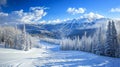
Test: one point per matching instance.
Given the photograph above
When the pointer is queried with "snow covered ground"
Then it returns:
(49, 55)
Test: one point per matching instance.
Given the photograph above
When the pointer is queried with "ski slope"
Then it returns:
(50, 55)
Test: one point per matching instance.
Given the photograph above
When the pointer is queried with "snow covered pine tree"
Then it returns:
(111, 47)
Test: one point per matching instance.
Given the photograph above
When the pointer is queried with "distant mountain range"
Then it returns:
(70, 28)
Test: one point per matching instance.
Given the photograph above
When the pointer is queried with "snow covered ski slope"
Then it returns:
(50, 55)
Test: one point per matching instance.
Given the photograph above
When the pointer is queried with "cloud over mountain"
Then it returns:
(91, 16)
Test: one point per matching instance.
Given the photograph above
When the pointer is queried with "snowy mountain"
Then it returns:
(68, 28)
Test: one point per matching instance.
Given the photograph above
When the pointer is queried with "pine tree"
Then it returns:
(23, 40)
(114, 40)
(99, 47)
(94, 43)
(84, 42)
(108, 49)
(16, 37)
(111, 47)
(30, 42)
(78, 43)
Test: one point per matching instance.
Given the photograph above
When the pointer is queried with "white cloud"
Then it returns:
(43, 22)
(74, 11)
(91, 16)
(34, 8)
(33, 16)
(57, 21)
(3, 17)
(3, 14)
(115, 10)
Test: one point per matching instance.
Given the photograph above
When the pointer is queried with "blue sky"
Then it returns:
(58, 9)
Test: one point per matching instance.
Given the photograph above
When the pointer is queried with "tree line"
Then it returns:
(101, 43)
(12, 37)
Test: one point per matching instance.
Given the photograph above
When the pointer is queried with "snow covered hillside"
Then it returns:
(49, 55)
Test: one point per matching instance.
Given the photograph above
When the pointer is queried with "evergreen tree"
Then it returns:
(114, 40)
(16, 38)
(111, 47)
(84, 42)
(23, 40)
(108, 46)
(94, 42)
(99, 47)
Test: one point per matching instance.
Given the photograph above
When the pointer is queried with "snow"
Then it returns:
(50, 55)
